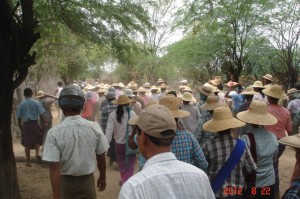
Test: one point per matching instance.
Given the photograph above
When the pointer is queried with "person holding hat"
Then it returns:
(184, 145)
(294, 101)
(106, 108)
(263, 146)
(218, 150)
(28, 114)
(282, 128)
(46, 101)
(211, 104)
(258, 87)
(163, 176)
(235, 96)
(190, 122)
(117, 127)
(267, 80)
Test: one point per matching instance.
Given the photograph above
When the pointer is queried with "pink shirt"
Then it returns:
(283, 125)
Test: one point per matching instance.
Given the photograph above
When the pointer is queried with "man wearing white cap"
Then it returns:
(163, 176)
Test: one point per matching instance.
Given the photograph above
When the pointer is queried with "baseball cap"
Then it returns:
(155, 119)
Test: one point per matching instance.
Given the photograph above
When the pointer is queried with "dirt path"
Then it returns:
(35, 182)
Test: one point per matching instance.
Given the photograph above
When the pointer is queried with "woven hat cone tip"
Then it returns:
(257, 114)
(249, 91)
(187, 97)
(40, 94)
(274, 91)
(257, 84)
(293, 140)
(171, 102)
(212, 103)
(123, 99)
(222, 120)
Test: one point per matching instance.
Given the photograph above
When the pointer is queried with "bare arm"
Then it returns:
(101, 164)
(55, 179)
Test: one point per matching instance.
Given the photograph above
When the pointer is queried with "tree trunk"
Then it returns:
(9, 187)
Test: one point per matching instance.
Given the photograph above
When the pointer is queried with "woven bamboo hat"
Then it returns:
(215, 89)
(274, 91)
(268, 77)
(171, 102)
(187, 96)
(131, 84)
(141, 90)
(257, 114)
(153, 88)
(40, 94)
(187, 89)
(257, 84)
(123, 99)
(222, 120)
(101, 90)
(160, 80)
(249, 91)
(292, 91)
(293, 140)
(205, 90)
(212, 103)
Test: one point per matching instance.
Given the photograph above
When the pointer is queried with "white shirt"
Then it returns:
(116, 128)
(163, 176)
(74, 143)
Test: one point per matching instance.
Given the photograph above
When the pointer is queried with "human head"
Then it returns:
(59, 84)
(274, 93)
(28, 92)
(267, 79)
(71, 99)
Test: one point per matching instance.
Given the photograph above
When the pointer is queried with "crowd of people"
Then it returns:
(190, 143)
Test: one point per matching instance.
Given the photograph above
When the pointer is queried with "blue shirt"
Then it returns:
(187, 149)
(29, 110)
(266, 153)
(294, 191)
(237, 100)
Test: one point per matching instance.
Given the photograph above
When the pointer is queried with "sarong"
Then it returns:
(32, 134)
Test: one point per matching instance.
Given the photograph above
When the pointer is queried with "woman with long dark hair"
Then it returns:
(118, 125)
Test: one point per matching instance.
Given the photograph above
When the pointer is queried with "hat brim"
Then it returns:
(133, 120)
(259, 119)
(216, 126)
(211, 107)
(249, 93)
(267, 78)
(253, 86)
(298, 91)
(40, 96)
(180, 113)
(186, 99)
(121, 103)
(268, 93)
(293, 141)
(200, 89)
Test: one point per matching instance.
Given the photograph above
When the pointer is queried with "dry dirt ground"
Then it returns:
(35, 183)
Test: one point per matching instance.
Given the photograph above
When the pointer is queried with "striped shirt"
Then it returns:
(217, 151)
(29, 110)
(187, 149)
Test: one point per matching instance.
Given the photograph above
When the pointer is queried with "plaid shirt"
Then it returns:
(187, 149)
(294, 191)
(106, 110)
(217, 151)
(201, 135)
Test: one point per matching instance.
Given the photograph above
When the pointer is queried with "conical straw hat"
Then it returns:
(257, 114)
(293, 140)
(171, 102)
(142, 90)
(187, 97)
(222, 120)
(274, 91)
(292, 90)
(123, 99)
(40, 94)
(205, 90)
(257, 84)
(212, 103)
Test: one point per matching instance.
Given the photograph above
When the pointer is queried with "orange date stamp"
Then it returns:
(231, 191)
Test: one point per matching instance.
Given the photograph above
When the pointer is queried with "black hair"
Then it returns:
(260, 91)
(59, 83)
(273, 100)
(160, 141)
(220, 86)
(120, 113)
(248, 97)
(28, 92)
(172, 93)
(185, 102)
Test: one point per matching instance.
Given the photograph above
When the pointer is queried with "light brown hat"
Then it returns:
(293, 140)
(123, 99)
(101, 85)
(40, 94)
(257, 114)
(115, 85)
(292, 90)
(153, 88)
(155, 119)
(132, 84)
(101, 90)
(212, 103)
(147, 85)
(88, 87)
(249, 91)
(257, 84)
(187, 89)
(268, 77)
(215, 89)
(160, 80)
(141, 90)
(205, 90)
(121, 85)
(171, 102)
(222, 120)
(163, 85)
(274, 91)
(187, 96)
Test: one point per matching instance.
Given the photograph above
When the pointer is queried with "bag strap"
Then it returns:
(229, 165)
(251, 178)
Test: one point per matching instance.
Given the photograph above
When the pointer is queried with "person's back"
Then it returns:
(164, 176)
(190, 122)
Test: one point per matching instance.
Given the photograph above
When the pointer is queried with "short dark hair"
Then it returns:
(162, 142)
(172, 93)
(272, 100)
(28, 92)
(185, 102)
(59, 83)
